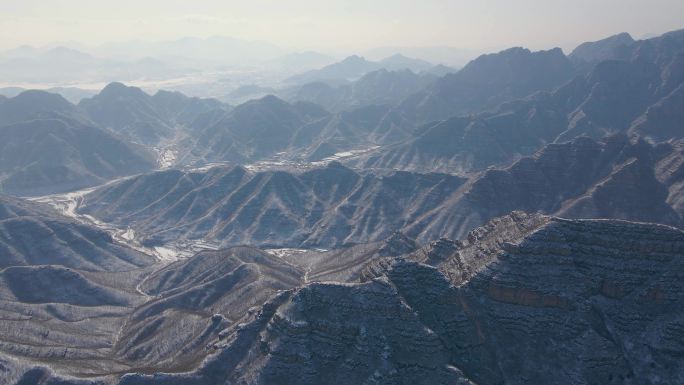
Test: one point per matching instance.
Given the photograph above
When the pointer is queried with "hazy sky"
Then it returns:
(338, 25)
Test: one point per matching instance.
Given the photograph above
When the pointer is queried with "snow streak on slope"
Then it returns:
(67, 204)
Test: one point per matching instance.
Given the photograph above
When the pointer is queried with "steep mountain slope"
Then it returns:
(663, 120)
(489, 81)
(142, 118)
(195, 299)
(463, 144)
(352, 67)
(184, 110)
(48, 156)
(65, 288)
(333, 206)
(253, 130)
(357, 128)
(34, 234)
(330, 206)
(612, 47)
(639, 95)
(377, 87)
(345, 264)
(590, 301)
(399, 62)
(48, 146)
(64, 318)
(57, 284)
(33, 104)
(270, 128)
(128, 111)
(611, 178)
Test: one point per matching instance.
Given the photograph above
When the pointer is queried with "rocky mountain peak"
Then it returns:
(116, 90)
(609, 48)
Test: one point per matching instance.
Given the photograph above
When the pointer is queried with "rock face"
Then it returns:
(194, 300)
(327, 333)
(618, 320)
(345, 264)
(524, 299)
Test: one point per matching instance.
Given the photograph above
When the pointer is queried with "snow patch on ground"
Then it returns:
(285, 252)
(167, 158)
(345, 155)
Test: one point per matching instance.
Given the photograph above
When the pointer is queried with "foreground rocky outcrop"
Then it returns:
(524, 299)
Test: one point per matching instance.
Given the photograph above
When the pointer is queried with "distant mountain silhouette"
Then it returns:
(399, 62)
(611, 178)
(377, 87)
(613, 47)
(354, 67)
(63, 65)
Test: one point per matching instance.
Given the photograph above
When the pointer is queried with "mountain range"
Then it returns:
(61, 65)
(369, 222)
(142, 118)
(336, 206)
(47, 145)
(381, 87)
(451, 312)
(616, 95)
(354, 67)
